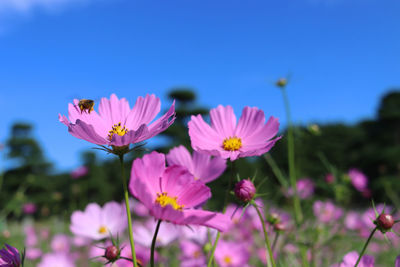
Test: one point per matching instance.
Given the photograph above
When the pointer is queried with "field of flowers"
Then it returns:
(166, 218)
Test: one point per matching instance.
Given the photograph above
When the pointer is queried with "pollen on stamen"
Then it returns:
(117, 129)
(163, 199)
(227, 259)
(232, 143)
(102, 229)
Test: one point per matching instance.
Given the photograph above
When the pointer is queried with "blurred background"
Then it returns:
(341, 60)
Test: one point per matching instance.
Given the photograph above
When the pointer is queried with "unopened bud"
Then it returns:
(279, 227)
(245, 190)
(273, 218)
(384, 222)
(282, 82)
(112, 253)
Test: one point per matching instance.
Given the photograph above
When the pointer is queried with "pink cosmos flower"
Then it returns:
(350, 259)
(358, 179)
(143, 233)
(192, 255)
(305, 188)
(117, 124)
(29, 208)
(79, 172)
(33, 253)
(60, 243)
(9, 257)
(31, 237)
(201, 166)
(172, 194)
(227, 138)
(231, 254)
(326, 212)
(98, 223)
(57, 259)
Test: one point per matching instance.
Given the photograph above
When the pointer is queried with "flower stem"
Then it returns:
(128, 210)
(210, 261)
(153, 243)
(292, 168)
(267, 244)
(365, 246)
(275, 241)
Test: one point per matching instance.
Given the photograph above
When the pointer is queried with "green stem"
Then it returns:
(128, 210)
(153, 243)
(292, 168)
(275, 241)
(275, 169)
(210, 261)
(365, 246)
(270, 260)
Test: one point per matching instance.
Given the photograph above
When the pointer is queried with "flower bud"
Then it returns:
(112, 253)
(384, 222)
(279, 227)
(282, 82)
(245, 190)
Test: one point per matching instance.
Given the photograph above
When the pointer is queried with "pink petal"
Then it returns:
(114, 110)
(223, 120)
(206, 168)
(180, 156)
(86, 132)
(175, 179)
(250, 121)
(203, 137)
(193, 194)
(143, 112)
(214, 220)
(162, 123)
(147, 171)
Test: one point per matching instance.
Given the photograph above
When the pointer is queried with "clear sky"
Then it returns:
(342, 55)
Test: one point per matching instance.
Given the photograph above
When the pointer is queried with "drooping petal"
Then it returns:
(223, 120)
(206, 168)
(180, 156)
(131, 137)
(214, 220)
(86, 132)
(143, 112)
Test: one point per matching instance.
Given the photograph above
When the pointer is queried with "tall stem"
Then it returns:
(210, 261)
(128, 210)
(275, 241)
(153, 243)
(267, 244)
(292, 168)
(365, 246)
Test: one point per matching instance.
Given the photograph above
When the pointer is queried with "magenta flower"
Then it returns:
(9, 257)
(226, 138)
(98, 223)
(33, 253)
(79, 172)
(144, 233)
(327, 212)
(201, 166)
(358, 179)
(172, 194)
(117, 124)
(192, 255)
(350, 259)
(305, 188)
(29, 208)
(57, 259)
(231, 254)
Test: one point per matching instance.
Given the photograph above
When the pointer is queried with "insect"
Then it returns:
(86, 105)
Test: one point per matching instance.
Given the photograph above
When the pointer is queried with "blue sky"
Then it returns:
(342, 55)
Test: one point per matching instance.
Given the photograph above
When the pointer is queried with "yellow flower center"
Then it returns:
(102, 229)
(117, 129)
(232, 144)
(227, 260)
(163, 199)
